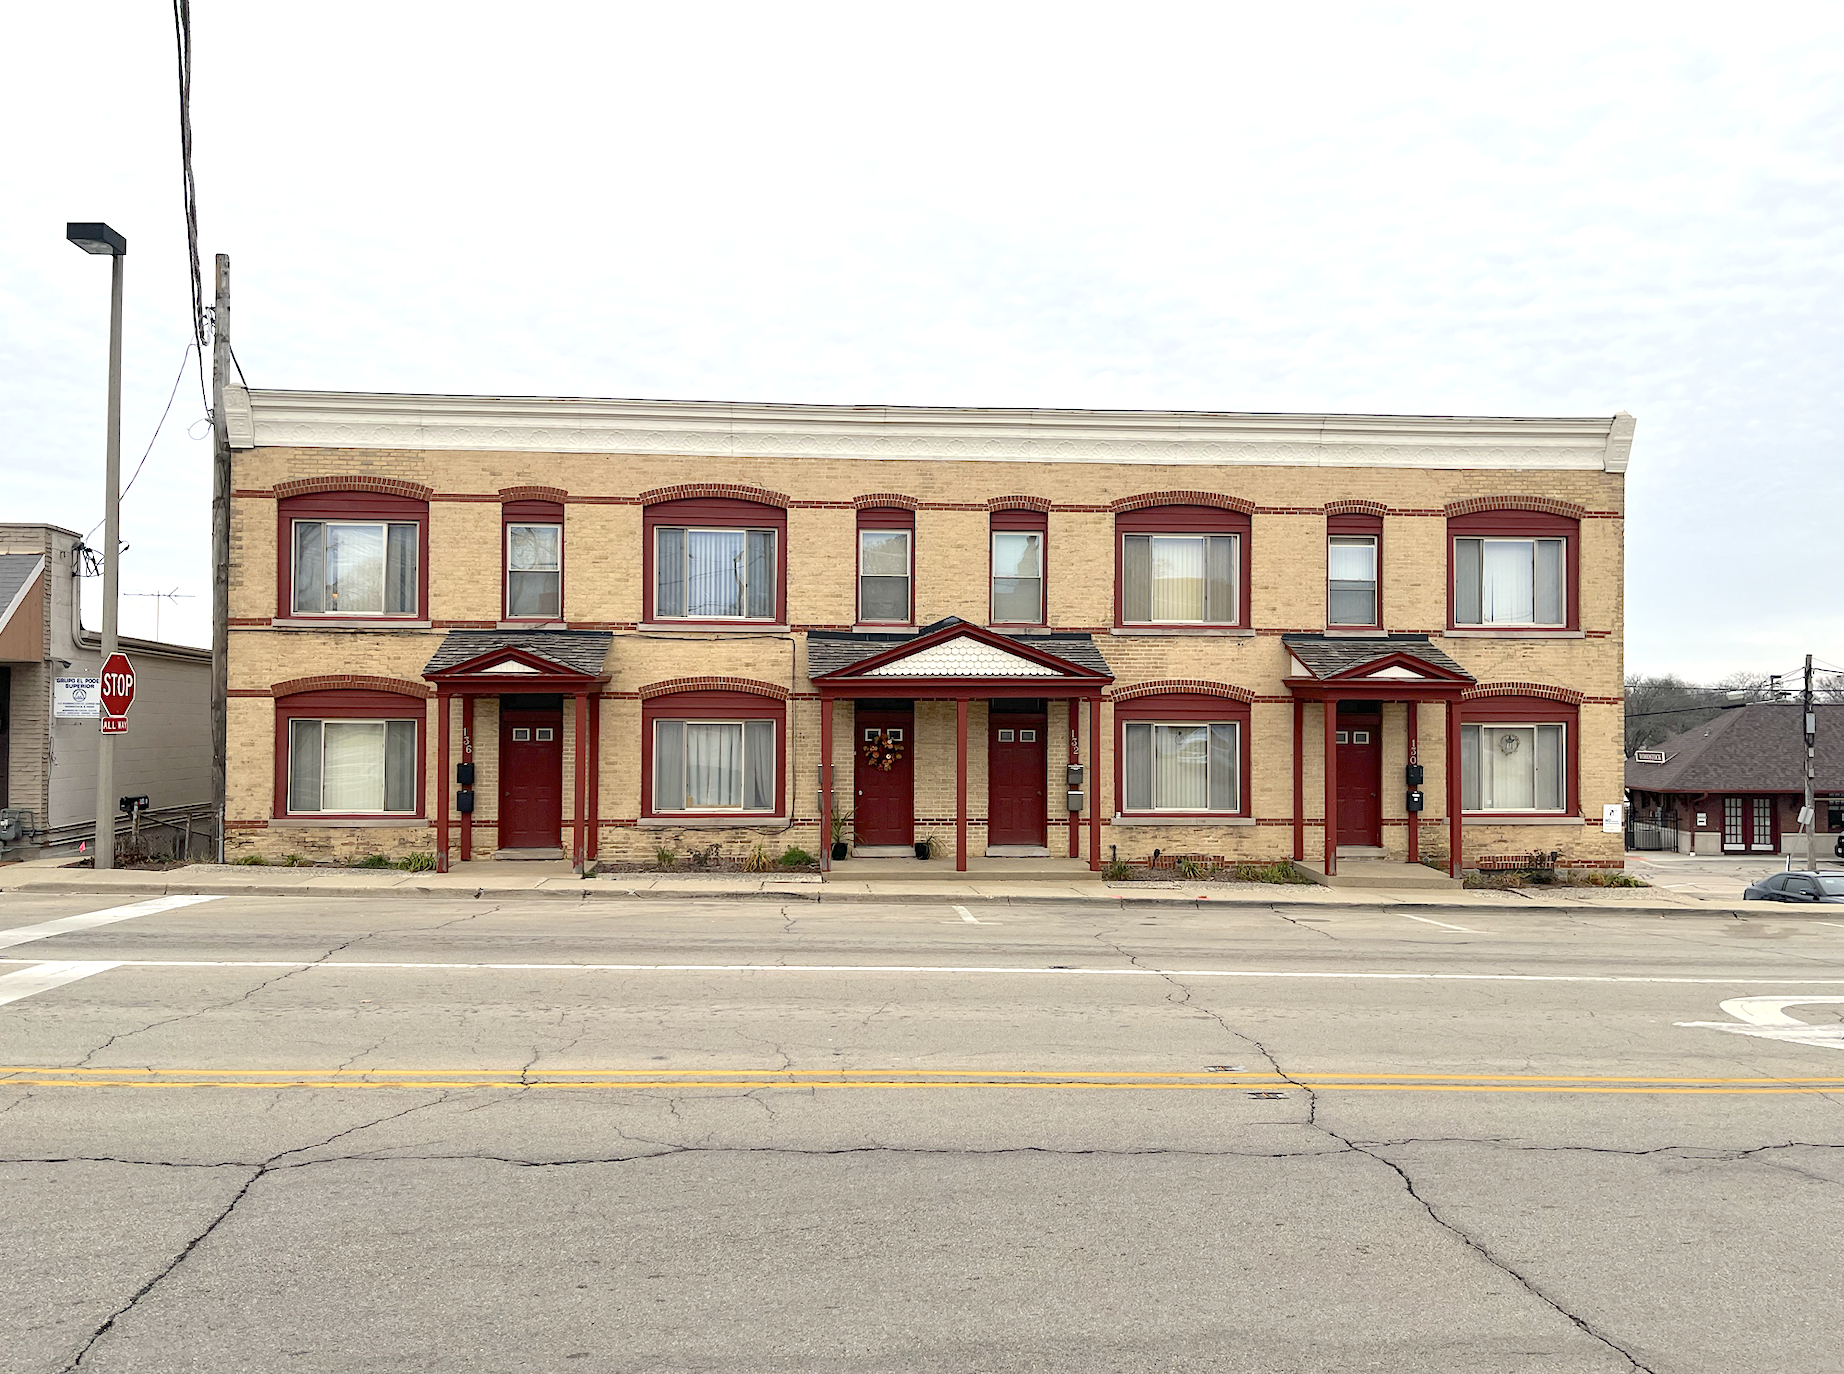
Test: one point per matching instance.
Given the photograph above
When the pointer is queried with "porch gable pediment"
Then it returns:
(959, 651)
(962, 656)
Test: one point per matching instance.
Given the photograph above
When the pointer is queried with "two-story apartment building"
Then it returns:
(499, 626)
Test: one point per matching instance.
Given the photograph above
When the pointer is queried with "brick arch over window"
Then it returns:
(718, 491)
(556, 494)
(748, 686)
(1547, 505)
(1183, 498)
(1182, 686)
(1522, 689)
(335, 682)
(380, 486)
(1037, 503)
(884, 500)
(1356, 507)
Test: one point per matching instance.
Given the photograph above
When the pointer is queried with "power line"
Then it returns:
(179, 377)
(201, 326)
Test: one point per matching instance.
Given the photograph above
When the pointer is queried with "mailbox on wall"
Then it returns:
(1415, 800)
(1075, 801)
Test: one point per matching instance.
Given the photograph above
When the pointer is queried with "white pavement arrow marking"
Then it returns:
(44, 977)
(65, 924)
(1767, 1018)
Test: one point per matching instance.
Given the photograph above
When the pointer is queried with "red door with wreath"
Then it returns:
(884, 807)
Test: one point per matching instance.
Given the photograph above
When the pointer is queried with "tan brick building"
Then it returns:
(609, 627)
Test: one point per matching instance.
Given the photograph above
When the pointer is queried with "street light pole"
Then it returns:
(101, 239)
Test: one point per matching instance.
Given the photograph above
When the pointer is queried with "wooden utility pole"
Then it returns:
(1809, 817)
(220, 546)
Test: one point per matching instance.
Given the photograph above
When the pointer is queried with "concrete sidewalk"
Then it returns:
(555, 881)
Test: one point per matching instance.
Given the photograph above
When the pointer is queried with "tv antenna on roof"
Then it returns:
(158, 597)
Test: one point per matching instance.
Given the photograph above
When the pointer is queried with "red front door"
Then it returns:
(884, 807)
(1016, 756)
(1360, 780)
(530, 778)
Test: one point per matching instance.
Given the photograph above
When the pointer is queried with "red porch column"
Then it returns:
(1331, 787)
(1414, 757)
(1094, 795)
(1074, 705)
(1453, 788)
(580, 792)
(467, 756)
(825, 783)
(595, 774)
(960, 784)
(1299, 778)
(441, 782)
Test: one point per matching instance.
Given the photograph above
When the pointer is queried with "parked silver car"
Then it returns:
(1797, 887)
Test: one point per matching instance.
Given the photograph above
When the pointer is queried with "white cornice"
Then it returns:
(721, 429)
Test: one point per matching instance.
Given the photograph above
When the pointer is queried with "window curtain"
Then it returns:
(759, 765)
(1017, 578)
(883, 574)
(1181, 765)
(668, 765)
(1509, 755)
(714, 577)
(310, 568)
(669, 571)
(1351, 570)
(304, 765)
(355, 568)
(761, 575)
(1506, 582)
(352, 767)
(1177, 578)
(713, 765)
(400, 571)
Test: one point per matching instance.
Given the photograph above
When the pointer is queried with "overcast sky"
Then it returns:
(1418, 209)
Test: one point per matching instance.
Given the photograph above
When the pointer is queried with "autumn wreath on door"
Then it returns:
(881, 751)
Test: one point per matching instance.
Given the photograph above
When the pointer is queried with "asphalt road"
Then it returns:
(396, 1135)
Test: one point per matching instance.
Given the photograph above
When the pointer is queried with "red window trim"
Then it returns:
(350, 705)
(882, 518)
(713, 706)
(1182, 520)
(1521, 524)
(1176, 707)
(1533, 711)
(1030, 522)
(529, 513)
(718, 513)
(348, 505)
(1369, 526)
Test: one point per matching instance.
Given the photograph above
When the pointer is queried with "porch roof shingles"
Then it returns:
(828, 651)
(1326, 656)
(575, 651)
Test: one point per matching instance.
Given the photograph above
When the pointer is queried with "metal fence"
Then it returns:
(1652, 828)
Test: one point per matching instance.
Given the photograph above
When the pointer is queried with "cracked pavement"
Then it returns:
(820, 1149)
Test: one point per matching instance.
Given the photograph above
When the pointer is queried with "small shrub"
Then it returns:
(1118, 871)
(372, 861)
(758, 860)
(794, 857)
(251, 861)
(419, 863)
(1269, 873)
(293, 861)
(1195, 870)
(665, 857)
(704, 858)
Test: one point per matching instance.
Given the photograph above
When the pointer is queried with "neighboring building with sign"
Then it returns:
(50, 693)
(644, 624)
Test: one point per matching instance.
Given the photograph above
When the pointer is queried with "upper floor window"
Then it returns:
(1514, 570)
(352, 554)
(886, 566)
(715, 560)
(1183, 565)
(1018, 539)
(534, 560)
(1352, 590)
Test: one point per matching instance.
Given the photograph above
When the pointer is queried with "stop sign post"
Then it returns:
(117, 693)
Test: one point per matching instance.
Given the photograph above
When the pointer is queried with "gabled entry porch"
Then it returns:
(1019, 685)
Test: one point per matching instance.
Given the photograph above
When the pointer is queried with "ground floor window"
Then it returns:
(1183, 766)
(713, 765)
(1513, 767)
(352, 767)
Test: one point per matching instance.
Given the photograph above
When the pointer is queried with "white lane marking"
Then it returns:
(1767, 1018)
(1429, 920)
(961, 968)
(90, 919)
(43, 977)
(967, 916)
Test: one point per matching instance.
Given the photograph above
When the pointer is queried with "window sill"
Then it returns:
(532, 625)
(711, 627)
(1472, 633)
(1194, 821)
(1215, 631)
(350, 623)
(889, 628)
(349, 823)
(1517, 818)
(1355, 632)
(706, 822)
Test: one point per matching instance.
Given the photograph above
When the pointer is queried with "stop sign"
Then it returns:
(117, 684)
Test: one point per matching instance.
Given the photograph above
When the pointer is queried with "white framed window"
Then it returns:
(884, 570)
(1510, 582)
(1018, 577)
(355, 567)
(1351, 579)
(713, 574)
(713, 765)
(1188, 766)
(1514, 767)
(1180, 579)
(534, 572)
(352, 767)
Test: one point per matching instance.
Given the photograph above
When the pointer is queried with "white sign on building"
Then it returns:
(77, 698)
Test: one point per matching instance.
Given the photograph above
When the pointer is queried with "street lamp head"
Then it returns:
(97, 238)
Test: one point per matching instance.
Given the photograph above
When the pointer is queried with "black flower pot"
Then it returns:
(840, 851)
(921, 849)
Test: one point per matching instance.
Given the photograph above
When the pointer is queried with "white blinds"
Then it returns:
(1188, 767)
(1179, 578)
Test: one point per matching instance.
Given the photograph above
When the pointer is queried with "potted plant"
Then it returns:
(923, 847)
(840, 849)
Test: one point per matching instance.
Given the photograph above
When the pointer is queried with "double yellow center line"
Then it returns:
(701, 1078)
